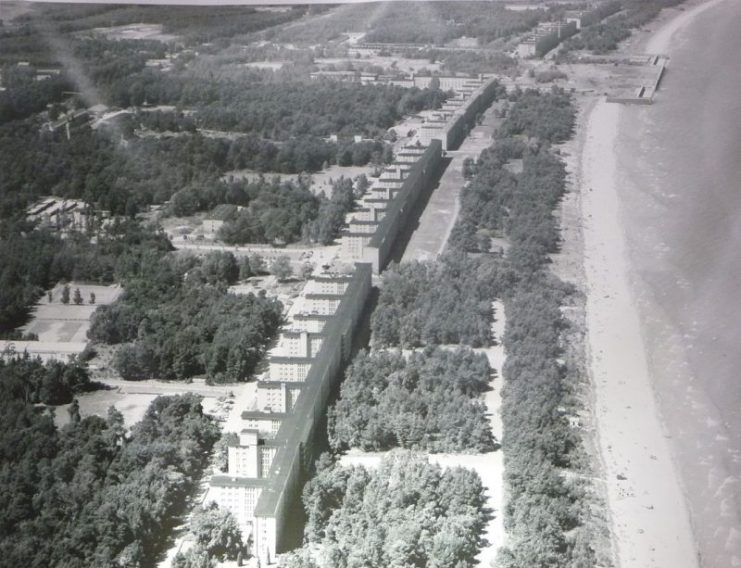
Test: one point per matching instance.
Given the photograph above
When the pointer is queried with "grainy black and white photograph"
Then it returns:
(383, 284)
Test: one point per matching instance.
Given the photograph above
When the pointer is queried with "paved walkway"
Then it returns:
(437, 220)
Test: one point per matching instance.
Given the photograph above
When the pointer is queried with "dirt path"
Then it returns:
(437, 220)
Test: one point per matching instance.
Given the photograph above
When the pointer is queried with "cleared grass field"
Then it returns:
(58, 322)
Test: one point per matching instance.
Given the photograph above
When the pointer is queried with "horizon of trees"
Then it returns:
(435, 303)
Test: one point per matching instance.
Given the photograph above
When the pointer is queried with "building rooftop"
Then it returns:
(301, 421)
(278, 384)
(289, 359)
(312, 316)
(323, 296)
(234, 481)
(259, 414)
(299, 333)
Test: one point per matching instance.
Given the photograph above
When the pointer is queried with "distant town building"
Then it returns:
(546, 36)
(63, 215)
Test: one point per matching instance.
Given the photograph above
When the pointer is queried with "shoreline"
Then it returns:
(649, 518)
(649, 514)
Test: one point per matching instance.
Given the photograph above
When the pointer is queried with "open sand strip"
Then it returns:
(650, 520)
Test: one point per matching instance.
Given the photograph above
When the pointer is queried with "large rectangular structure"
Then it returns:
(463, 119)
(380, 247)
(297, 433)
(271, 457)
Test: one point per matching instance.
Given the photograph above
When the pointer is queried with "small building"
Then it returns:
(61, 214)
(574, 17)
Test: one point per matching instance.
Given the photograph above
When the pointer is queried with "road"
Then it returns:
(437, 220)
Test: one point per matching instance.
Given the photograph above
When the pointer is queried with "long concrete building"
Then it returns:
(392, 203)
(270, 458)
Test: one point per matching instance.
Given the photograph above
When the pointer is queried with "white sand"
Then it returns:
(650, 520)
(651, 525)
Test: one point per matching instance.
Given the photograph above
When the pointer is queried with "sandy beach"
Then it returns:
(649, 515)
(650, 522)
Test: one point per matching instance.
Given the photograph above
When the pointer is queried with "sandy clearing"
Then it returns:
(436, 222)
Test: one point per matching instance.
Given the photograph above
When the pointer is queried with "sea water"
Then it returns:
(680, 192)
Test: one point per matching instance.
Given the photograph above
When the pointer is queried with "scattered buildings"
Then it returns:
(62, 215)
(549, 34)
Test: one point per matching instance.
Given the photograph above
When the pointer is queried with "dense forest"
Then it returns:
(412, 513)
(435, 302)
(605, 36)
(126, 164)
(423, 23)
(548, 517)
(176, 320)
(269, 211)
(143, 157)
(32, 261)
(330, 219)
(548, 116)
(126, 177)
(23, 95)
(91, 493)
(217, 537)
(427, 401)
(278, 110)
(32, 382)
